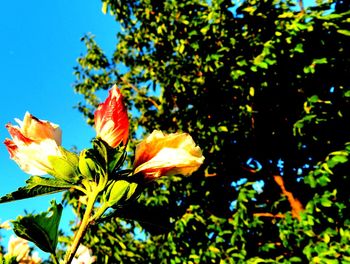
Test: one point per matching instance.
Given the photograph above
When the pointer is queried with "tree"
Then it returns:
(262, 86)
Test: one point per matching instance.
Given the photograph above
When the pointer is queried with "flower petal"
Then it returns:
(111, 119)
(171, 161)
(33, 141)
(37, 129)
(34, 158)
(161, 155)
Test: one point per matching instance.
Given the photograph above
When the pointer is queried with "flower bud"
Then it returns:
(111, 119)
(87, 166)
(120, 190)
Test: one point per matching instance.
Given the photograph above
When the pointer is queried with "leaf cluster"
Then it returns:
(262, 86)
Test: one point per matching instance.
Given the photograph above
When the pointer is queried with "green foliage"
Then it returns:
(42, 229)
(36, 186)
(265, 81)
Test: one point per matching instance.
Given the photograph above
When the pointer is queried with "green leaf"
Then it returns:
(104, 7)
(320, 61)
(344, 32)
(326, 202)
(295, 259)
(336, 159)
(35, 181)
(299, 48)
(222, 129)
(41, 229)
(36, 186)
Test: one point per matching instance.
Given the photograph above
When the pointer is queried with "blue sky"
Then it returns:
(39, 45)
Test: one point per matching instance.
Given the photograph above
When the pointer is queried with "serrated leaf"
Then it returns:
(35, 181)
(36, 186)
(41, 229)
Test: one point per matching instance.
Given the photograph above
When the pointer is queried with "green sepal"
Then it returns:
(65, 167)
(116, 158)
(87, 164)
(119, 191)
(71, 157)
(111, 158)
(36, 186)
(101, 149)
(41, 229)
(132, 190)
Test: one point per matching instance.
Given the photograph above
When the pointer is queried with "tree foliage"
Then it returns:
(263, 88)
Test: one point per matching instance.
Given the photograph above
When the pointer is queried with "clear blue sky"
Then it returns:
(39, 45)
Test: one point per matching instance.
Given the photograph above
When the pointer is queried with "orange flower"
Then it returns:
(161, 155)
(33, 141)
(111, 119)
(19, 248)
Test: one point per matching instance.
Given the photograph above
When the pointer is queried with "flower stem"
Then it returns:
(82, 228)
(54, 259)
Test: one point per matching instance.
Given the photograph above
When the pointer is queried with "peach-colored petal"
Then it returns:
(162, 155)
(35, 259)
(18, 247)
(5, 225)
(170, 161)
(33, 141)
(37, 130)
(34, 158)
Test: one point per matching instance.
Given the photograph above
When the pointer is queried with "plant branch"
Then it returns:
(82, 228)
(138, 91)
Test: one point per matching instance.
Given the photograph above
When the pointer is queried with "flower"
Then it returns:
(162, 155)
(19, 248)
(34, 259)
(83, 256)
(5, 225)
(111, 119)
(33, 141)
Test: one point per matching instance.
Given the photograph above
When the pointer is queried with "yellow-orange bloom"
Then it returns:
(33, 141)
(5, 225)
(162, 155)
(111, 119)
(19, 248)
